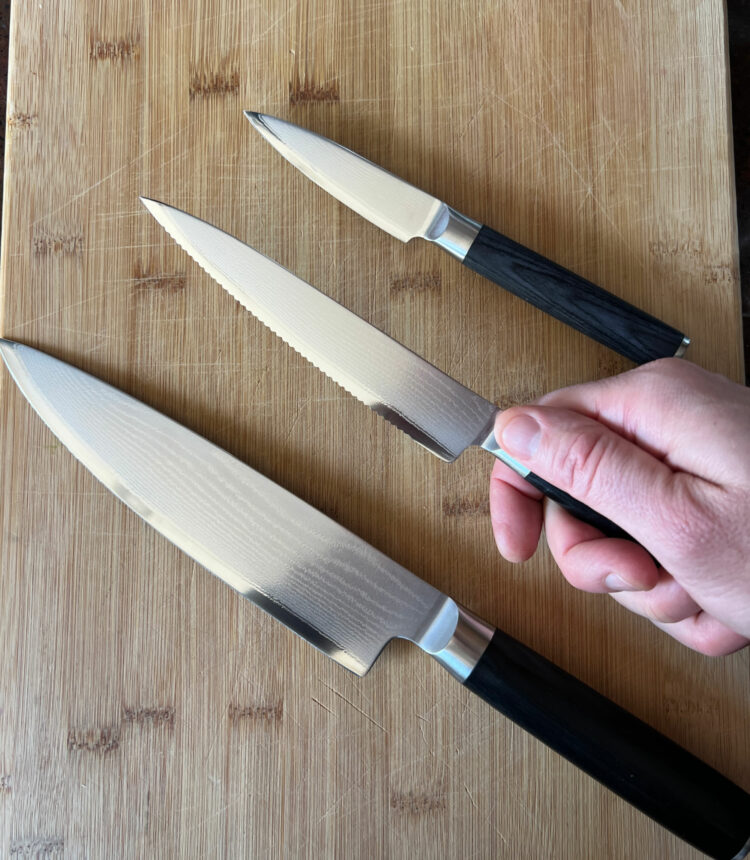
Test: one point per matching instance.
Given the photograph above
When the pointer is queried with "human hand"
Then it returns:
(663, 451)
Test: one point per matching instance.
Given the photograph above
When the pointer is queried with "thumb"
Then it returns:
(590, 462)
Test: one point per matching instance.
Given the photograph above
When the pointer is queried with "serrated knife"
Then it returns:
(350, 600)
(407, 212)
(433, 408)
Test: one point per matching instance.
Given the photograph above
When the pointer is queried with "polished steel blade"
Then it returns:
(387, 201)
(434, 409)
(328, 585)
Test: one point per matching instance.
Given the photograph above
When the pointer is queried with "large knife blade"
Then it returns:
(429, 405)
(406, 212)
(349, 600)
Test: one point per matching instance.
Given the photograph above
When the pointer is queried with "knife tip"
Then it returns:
(260, 122)
(152, 205)
(7, 346)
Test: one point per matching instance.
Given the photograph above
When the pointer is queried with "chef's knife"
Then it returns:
(407, 212)
(430, 406)
(350, 600)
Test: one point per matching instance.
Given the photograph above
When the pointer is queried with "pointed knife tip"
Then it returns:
(254, 116)
(6, 347)
(154, 206)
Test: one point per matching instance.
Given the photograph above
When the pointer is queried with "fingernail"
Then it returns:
(521, 437)
(614, 582)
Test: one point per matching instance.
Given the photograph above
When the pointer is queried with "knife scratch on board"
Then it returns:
(336, 803)
(473, 802)
(183, 132)
(301, 407)
(318, 702)
(272, 26)
(349, 702)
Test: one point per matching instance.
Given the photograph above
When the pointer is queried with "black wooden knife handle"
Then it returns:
(644, 767)
(572, 299)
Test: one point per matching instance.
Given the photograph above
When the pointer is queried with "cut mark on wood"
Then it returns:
(471, 798)
(263, 712)
(46, 244)
(103, 740)
(421, 281)
(305, 90)
(43, 846)
(114, 50)
(5, 787)
(417, 804)
(358, 709)
(149, 716)
(205, 84)
(163, 282)
(20, 121)
(318, 702)
(465, 506)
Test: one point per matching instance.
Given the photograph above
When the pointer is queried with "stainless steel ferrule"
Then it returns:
(465, 648)
(454, 232)
(682, 347)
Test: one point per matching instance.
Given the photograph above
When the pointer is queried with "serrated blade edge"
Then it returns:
(437, 411)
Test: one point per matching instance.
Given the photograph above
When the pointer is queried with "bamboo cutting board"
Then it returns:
(145, 709)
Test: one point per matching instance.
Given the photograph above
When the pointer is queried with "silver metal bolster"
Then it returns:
(454, 232)
(743, 852)
(682, 347)
(465, 648)
(490, 444)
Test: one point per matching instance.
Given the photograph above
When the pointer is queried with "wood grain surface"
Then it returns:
(145, 709)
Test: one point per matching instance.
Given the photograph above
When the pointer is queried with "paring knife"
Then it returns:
(407, 212)
(350, 600)
(430, 406)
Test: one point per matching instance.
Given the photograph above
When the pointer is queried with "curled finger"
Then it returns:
(516, 514)
(595, 563)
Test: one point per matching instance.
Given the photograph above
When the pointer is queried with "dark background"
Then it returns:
(738, 14)
(739, 66)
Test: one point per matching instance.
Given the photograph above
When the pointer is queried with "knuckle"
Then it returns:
(581, 463)
(692, 523)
